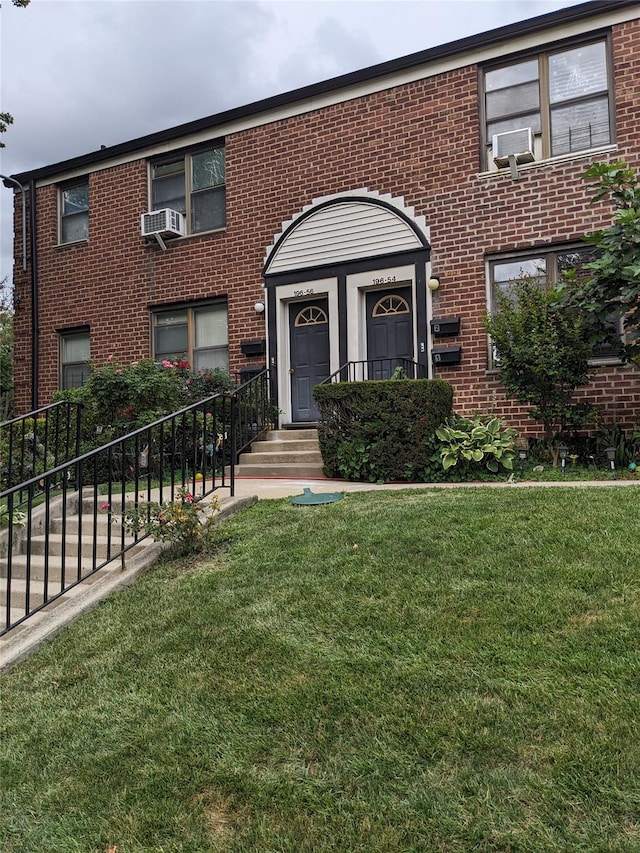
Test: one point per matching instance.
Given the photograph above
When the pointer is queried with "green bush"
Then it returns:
(381, 430)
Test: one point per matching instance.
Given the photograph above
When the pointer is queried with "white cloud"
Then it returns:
(77, 75)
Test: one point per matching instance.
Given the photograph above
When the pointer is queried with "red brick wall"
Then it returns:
(419, 141)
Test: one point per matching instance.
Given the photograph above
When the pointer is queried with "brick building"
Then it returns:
(309, 229)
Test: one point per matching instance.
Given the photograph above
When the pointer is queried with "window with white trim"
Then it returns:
(548, 267)
(564, 96)
(75, 352)
(74, 212)
(192, 184)
(197, 334)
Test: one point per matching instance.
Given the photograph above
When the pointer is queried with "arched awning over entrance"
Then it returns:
(345, 228)
(356, 264)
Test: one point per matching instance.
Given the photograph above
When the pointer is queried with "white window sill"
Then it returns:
(606, 361)
(550, 161)
(83, 242)
(199, 234)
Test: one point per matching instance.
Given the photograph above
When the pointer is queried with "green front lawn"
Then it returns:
(433, 670)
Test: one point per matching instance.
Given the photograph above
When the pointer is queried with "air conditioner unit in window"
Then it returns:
(518, 143)
(166, 223)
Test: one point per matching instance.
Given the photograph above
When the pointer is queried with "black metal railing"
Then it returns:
(38, 441)
(377, 368)
(254, 412)
(70, 525)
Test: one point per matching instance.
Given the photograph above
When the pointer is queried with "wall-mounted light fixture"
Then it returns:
(259, 307)
(433, 283)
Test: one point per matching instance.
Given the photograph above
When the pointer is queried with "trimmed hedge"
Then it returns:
(381, 430)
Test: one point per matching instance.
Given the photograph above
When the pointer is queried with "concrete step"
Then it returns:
(283, 453)
(36, 594)
(54, 544)
(36, 565)
(295, 470)
(292, 435)
(73, 525)
(279, 446)
(310, 457)
(19, 594)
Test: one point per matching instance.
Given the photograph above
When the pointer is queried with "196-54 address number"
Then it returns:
(388, 280)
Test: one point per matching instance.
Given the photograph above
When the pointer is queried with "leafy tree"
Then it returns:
(6, 118)
(543, 355)
(613, 279)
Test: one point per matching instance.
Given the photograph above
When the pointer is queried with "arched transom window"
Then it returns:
(312, 315)
(391, 304)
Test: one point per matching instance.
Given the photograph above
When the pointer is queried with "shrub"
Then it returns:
(118, 399)
(184, 522)
(380, 430)
(543, 354)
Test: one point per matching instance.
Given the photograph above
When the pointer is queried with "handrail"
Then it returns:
(46, 557)
(37, 412)
(253, 414)
(43, 438)
(70, 512)
(375, 369)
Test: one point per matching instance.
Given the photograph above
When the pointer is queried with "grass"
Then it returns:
(437, 670)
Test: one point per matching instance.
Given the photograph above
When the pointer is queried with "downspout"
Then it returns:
(35, 317)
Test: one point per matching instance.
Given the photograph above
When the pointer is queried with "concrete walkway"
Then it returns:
(42, 626)
(275, 487)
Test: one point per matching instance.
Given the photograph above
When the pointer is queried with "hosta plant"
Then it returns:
(478, 440)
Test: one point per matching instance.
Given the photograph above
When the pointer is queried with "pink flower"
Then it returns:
(189, 498)
(105, 506)
(166, 363)
(110, 357)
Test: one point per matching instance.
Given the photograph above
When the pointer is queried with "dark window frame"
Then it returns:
(602, 353)
(67, 218)
(67, 368)
(543, 137)
(191, 351)
(184, 202)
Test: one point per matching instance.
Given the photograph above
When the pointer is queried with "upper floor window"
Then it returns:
(74, 358)
(74, 212)
(548, 268)
(564, 96)
(194, 185)
(197, 334)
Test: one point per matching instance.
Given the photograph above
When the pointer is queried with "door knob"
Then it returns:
(292, 370)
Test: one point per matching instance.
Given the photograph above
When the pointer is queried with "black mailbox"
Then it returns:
(247, 373)
(253, 348)
(444, 326)
(445, 356)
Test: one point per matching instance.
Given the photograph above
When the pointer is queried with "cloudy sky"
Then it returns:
(78, 74)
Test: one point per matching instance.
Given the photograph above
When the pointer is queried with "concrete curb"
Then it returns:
(43, 626)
